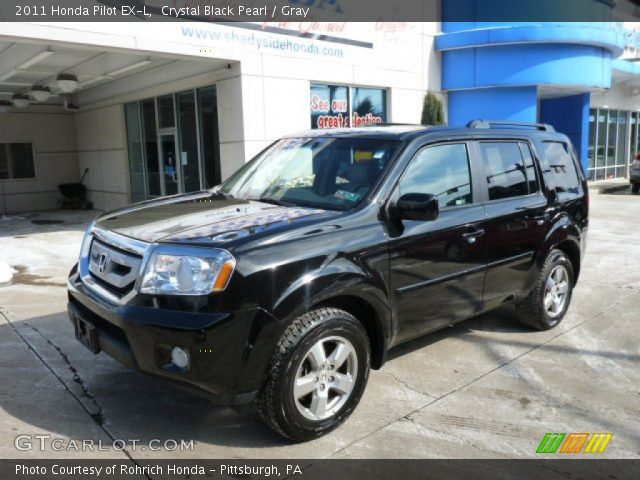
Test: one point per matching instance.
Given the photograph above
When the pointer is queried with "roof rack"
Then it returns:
(493, 123)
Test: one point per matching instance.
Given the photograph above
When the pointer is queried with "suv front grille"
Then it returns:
(113, 268)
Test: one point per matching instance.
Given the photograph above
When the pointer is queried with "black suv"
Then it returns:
(285, 284)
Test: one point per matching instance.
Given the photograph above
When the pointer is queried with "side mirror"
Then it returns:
(417, 206)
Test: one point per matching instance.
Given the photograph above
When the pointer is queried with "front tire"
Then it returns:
(635, 188)
(546, 305)
(317, 375)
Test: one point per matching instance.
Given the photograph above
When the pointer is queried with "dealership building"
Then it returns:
(158, 108)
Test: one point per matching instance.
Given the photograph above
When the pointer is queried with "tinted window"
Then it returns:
(532, 174)
(441, 170)
(559, 168)
(329, 106)
(505, 170)
(369, 105)
(165, 111)
(151, 146)
(188, 140)
(16, 161)
(208, 108)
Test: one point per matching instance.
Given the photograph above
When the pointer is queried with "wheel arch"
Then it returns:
(571, 249)
(564, 236)
(366, 314)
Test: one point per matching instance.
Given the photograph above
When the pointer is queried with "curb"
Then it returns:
(609, 189)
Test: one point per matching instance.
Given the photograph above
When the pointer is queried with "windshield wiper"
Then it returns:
(273, 201)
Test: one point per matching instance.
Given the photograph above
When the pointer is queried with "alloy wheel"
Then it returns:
(556, 291)
(325, 378)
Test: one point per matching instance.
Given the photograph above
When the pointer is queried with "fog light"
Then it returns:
(180, 357)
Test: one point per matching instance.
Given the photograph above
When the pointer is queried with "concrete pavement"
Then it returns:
(487, 388)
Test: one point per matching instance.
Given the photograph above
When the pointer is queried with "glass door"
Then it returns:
(170, 178)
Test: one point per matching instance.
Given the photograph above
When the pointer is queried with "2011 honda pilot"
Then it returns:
(285, 284)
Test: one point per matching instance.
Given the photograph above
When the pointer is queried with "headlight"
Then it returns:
(86, 241)
(187, 271)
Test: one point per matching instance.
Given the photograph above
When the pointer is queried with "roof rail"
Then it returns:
(495, 123)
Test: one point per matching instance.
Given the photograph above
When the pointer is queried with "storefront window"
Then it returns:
(173, 143)
(136, 160)
(334, 106)
(188, 155)
(165, 112)
(329, 106)
(150, 151)
(208, 108)
(609, 131)
(16, 161)
(612, 138)
(369, 106)
(633, 125)
(601, 145)
(621, 154)
(592, 139)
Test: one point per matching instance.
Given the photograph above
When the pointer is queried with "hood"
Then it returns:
(205, 217)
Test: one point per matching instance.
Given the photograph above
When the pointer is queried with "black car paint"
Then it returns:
(411, 277)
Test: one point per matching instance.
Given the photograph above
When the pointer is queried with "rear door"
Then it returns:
(517, 216)
(437, 267)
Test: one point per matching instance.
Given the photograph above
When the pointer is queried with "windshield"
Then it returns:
(321, 172)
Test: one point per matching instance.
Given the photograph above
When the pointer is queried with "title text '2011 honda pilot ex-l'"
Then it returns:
(285, 284)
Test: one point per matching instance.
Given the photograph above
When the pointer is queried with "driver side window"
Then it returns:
(441, 170)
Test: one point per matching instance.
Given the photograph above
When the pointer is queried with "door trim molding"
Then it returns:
(462, 273)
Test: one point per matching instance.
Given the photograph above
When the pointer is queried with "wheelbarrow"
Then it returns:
(75, 195)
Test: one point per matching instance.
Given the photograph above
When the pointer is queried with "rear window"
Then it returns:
(559, 168)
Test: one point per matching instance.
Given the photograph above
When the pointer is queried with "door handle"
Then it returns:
(473, 235)
(539, 219)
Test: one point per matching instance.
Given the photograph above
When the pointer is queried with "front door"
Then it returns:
(169, 166)
(437, 267)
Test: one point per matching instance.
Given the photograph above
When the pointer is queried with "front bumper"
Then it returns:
(141, 337)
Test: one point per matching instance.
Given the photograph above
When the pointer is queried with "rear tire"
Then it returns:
(317, 375)
(545, 307)
(635, 188)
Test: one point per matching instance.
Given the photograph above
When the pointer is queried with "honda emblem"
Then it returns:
(102, 262)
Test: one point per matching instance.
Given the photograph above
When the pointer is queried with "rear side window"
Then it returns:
(559, 168)
(507, 172)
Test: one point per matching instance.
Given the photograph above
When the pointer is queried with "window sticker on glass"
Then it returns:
(360, 156)
(350, 196)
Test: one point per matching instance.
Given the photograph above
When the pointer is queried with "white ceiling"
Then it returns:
(555, 91)
(23, 65)
(628, 79)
